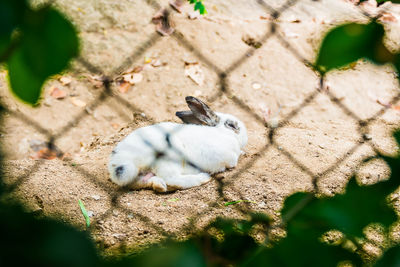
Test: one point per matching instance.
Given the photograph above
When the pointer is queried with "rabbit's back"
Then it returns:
(208, 148)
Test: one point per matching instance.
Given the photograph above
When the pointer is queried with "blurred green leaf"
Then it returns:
(84, 212)
(301, 250)
(237, 243)
(168, 254)
(47, 44)
(350, 42)
(29, 241)
(11, 15)
(391, 257)
(348, 213)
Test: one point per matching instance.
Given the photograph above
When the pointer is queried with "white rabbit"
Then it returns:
(169, 156)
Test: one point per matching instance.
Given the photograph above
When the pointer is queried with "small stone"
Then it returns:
(194, 14)
(256, 86)
(65, 80)
(90, 213)
(262, 204)
(78, 102)
(274, 122)
(156, 63)
(118, 236)
(367, 137)
(133, 78)
(96, 197)
(130, 215)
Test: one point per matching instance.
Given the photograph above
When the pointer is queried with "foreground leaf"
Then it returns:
(348, 213)
(350, 42)
(390, 258)
(11, 15)
(169, 254)
(44, 242)
(301, 250)
(48, 43)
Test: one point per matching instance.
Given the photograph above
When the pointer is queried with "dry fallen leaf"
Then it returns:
(164, 30)
(266, 112)
(388, 105)
(194, 72)
(290, 34)
(133, 78)
(370, 6)
(387, 17)
(267, 17)
(156, 63)
(96, 80)
(44, 151)
(124, 87)
(177, 5)
(78, 102)
(57, 93)
(137, 69)
(65, 80)
(354, 1)
(158, 16)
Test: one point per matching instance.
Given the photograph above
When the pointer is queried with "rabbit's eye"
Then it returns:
(233, 125)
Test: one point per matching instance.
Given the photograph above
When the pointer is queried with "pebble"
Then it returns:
(96, 197)
(262, 205)
(256, 86)
(90, 213)
(367, 136)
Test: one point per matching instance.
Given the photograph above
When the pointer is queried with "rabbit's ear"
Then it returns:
(201, 111)
(188, 117)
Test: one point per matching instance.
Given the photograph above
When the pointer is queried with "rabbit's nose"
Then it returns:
(119, 171)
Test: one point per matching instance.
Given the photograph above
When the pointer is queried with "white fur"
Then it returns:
(209, 149)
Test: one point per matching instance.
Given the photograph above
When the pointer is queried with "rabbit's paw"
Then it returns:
(204, 178)
(232, 161)
(158, 184)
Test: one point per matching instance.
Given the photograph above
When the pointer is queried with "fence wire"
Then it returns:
(224, 75)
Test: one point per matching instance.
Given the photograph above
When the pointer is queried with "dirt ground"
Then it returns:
(322, 138)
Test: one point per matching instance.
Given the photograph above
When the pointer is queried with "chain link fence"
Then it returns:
(108, 78)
